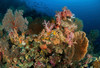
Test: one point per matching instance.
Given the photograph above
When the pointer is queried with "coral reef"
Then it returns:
(58, 45)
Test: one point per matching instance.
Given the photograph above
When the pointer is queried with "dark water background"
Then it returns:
(87, 10)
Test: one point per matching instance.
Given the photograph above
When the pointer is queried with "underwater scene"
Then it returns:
(49, 34)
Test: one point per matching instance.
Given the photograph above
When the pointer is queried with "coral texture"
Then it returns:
(80, 46)
(96, 64)
(14, 21)
(79, 24)
(57, 45)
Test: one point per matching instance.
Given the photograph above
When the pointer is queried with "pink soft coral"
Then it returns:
(66, 13)
(58, 18)
(48, 26)
(70, 36)
(39, 65)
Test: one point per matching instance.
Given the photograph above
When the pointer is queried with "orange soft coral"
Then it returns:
(44, 46)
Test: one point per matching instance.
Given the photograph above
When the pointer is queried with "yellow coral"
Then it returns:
(45, 38)
(54, 32)
(96, 64)
(26, 56)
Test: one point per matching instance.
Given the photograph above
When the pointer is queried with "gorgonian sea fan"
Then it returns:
(14, 20)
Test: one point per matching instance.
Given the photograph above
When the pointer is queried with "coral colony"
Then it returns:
(58, 45)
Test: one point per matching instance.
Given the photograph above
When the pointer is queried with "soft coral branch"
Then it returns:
(58, 18)
(70, 36)
(48, 26)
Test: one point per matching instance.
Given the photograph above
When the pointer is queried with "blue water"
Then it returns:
(87, 10)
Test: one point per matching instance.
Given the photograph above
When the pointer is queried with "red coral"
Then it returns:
(63, 16)
(66, 13)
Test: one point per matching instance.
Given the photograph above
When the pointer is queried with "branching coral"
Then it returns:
(14, 21)
(48, 26)
(58, 45)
